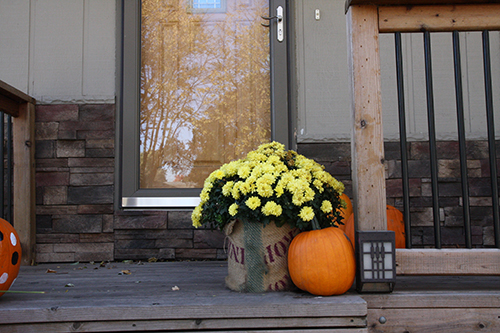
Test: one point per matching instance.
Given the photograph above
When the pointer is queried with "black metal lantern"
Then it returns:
(376, 261)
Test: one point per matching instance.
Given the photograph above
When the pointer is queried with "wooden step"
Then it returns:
(168, 296)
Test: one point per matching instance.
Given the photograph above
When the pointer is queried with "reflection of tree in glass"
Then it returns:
(204, 90)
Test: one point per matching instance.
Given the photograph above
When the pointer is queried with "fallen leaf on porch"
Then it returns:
(69, 285)
(175, 288)
(22, 292)
(127, 261)
(125, 272)
(50, 271)
(102, 264)
(152, 259)
(75, 263)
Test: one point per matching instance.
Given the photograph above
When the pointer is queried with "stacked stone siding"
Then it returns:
(75, 174)
(74, 182)
(76, 221)
(336, 158)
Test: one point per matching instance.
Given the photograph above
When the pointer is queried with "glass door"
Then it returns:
(206, 93)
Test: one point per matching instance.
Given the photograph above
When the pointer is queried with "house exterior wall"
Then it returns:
(62, 52)
(323, 104)
(59, 51)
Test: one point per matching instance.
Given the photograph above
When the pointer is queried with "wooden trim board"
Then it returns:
(448, 261)
(439, 18)
(414, 2)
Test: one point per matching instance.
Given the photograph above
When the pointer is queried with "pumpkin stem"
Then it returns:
(315, 224)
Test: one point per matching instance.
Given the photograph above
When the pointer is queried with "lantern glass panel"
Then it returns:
(367, 261)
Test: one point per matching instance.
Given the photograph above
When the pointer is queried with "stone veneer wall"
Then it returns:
(76, 220)
(336, 158)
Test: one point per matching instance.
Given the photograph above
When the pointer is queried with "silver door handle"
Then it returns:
(280, 33)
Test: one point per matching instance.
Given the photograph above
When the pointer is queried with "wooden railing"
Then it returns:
(22, 108)
(366, 19)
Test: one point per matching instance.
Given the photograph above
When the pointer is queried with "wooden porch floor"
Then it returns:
(191, 296)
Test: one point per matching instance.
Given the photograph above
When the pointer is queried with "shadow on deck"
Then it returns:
(91, 298)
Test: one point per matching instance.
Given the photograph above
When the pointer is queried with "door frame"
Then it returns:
(128, 194)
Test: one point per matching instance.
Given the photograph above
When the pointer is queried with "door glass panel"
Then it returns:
(205, 87)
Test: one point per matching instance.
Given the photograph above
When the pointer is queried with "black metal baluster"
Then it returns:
(491, 134)
(432, 138)
(461, 138)
(402, 138)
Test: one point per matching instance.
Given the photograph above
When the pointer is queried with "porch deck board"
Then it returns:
(106, 299)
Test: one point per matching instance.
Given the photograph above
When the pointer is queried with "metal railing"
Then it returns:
(366, 19)
(461, 137)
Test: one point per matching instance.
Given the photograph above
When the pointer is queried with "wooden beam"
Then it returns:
(23, 128)
(439, 18)
(448, 261)
(414, 2)
(9, 106)
(367, 144)
(15, 94)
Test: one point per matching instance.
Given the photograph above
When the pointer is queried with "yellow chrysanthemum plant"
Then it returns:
(270, 184)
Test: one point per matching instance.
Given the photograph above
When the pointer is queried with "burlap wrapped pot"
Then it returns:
(257, 256)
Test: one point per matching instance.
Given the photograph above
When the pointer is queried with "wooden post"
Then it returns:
(22, 109)
(23, 128)
(367, 144)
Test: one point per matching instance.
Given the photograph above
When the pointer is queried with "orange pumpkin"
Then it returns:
(394, 222)
(322, 262)
(345, 212)
(10, 255)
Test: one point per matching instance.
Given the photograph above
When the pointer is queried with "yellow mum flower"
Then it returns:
(308, 194)
(236, 190)
(268, 169)
(319, 185)
(230, 168)
(279, 190)
(306, 213)
(272, 208)
(233, 209)
(265, 190)
(273, 159)
(244, 171)
(300, 197)
(227, 188)
(266, 179)
(253, 203)
(204, 195)
(338, 186)
(280, 168)
(326, 206)
(219, 174)
(196, 216)
(257, 171)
